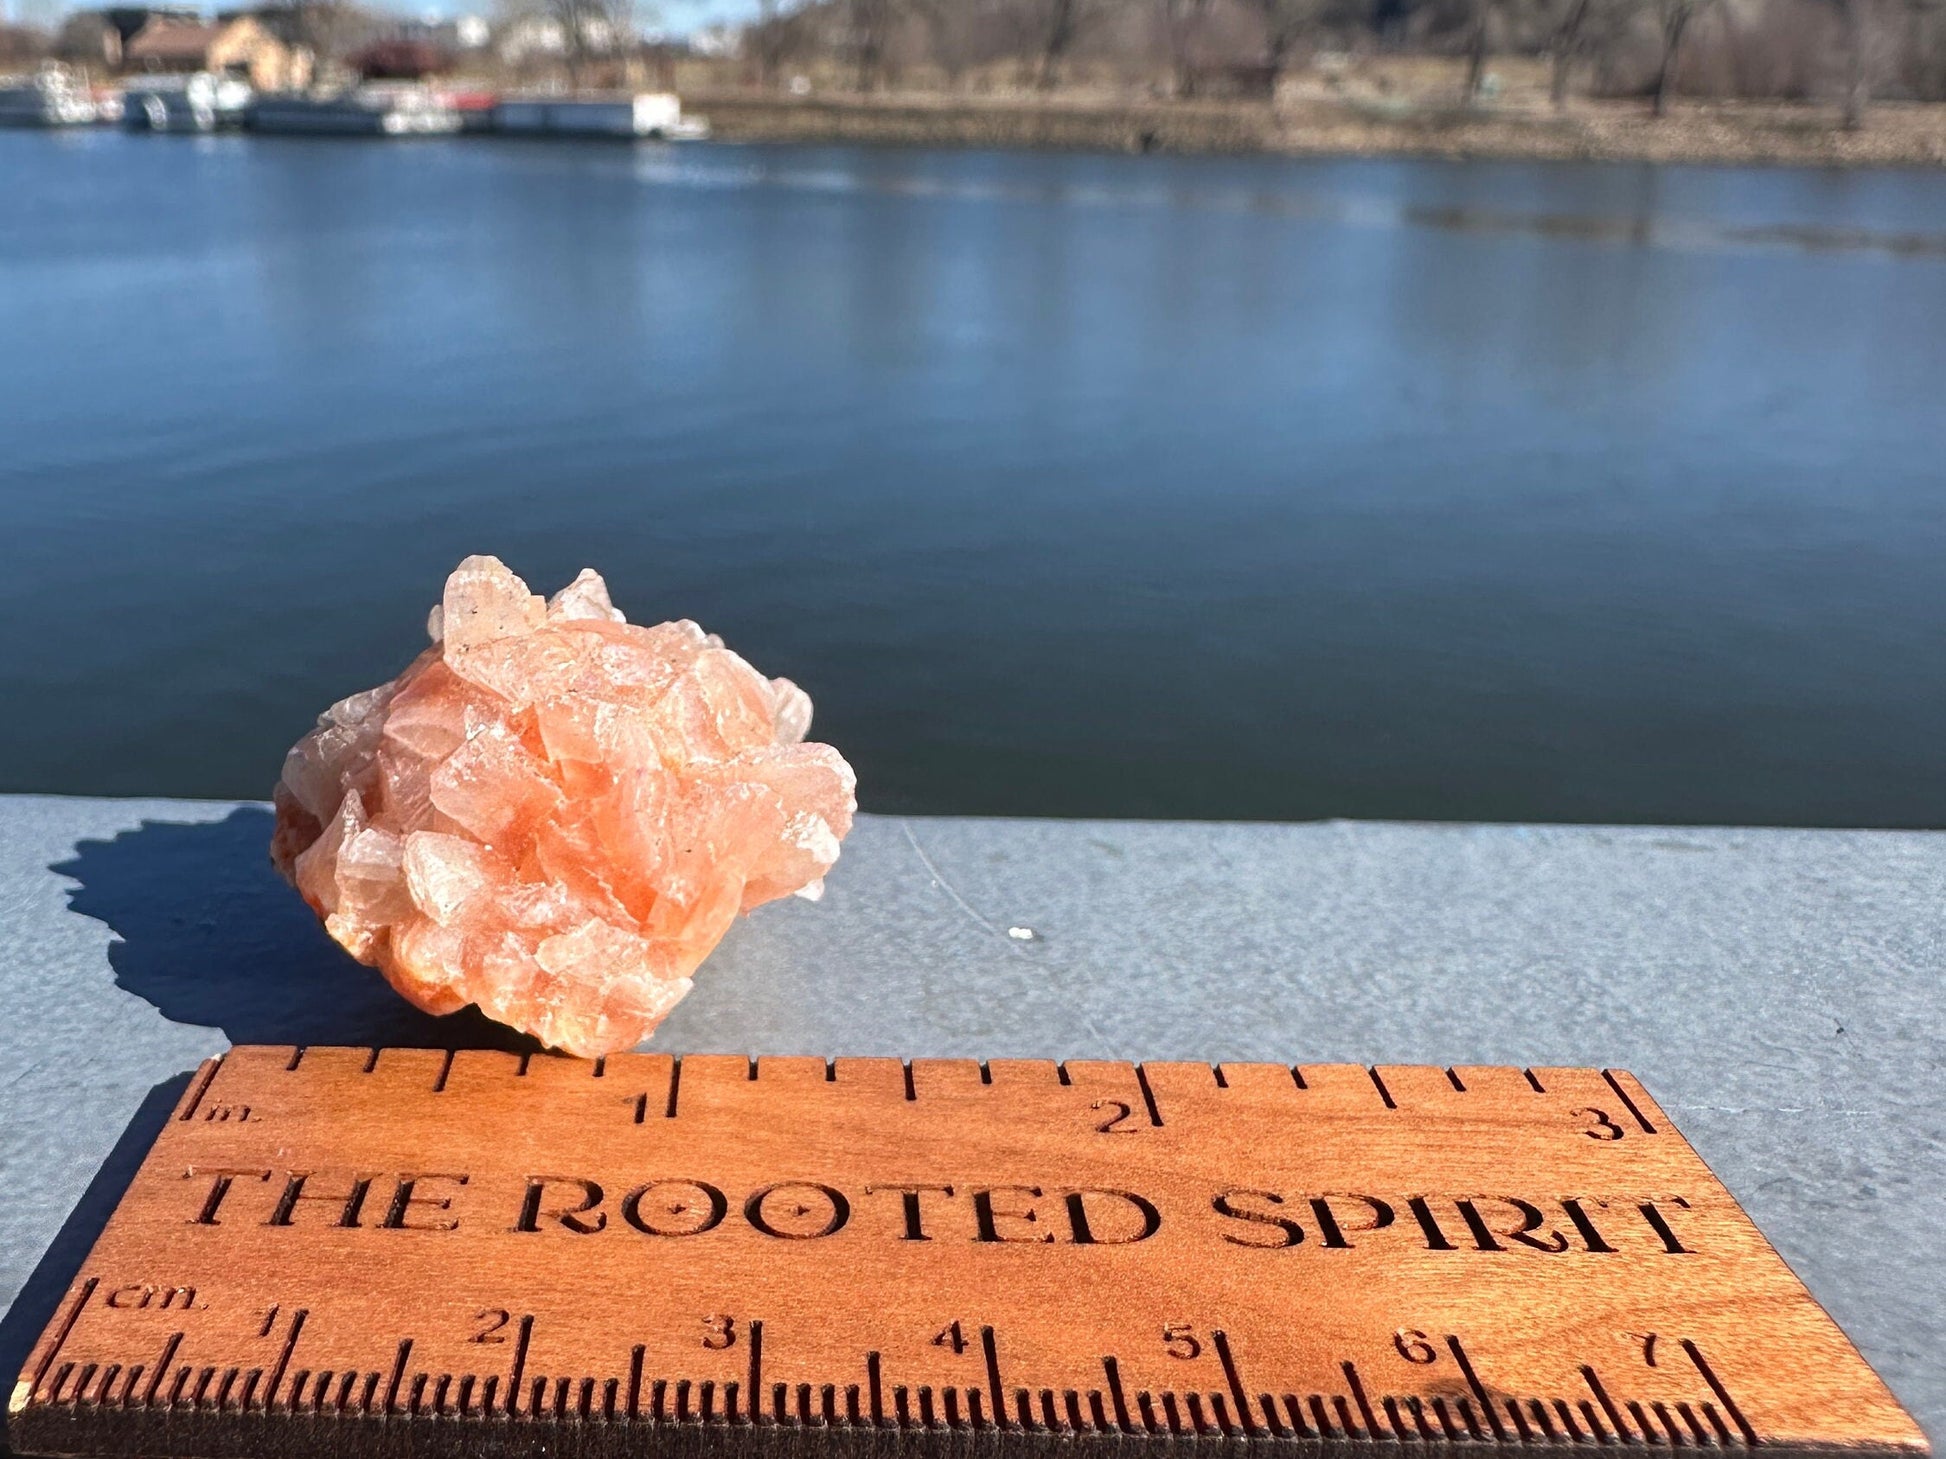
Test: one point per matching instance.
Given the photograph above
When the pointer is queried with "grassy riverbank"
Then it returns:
(1892, 135)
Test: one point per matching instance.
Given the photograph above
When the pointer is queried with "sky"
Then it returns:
(682, 16)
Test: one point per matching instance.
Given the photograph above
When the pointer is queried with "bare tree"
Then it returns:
(328, 30)
(949, 27)
(593, 30)
(1855, 19)
(1477, 42)
(1182, 27)
(1049, 31)
(586, 30)
(1286, 22)
(870, 25)
(1564, 47)
(1673, 18)
(768, 39)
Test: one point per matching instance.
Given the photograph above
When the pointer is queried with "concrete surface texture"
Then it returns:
(1778, 991)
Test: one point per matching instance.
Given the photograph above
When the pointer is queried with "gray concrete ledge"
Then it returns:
(1779, 992)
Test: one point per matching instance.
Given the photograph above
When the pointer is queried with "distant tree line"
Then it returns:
(1848, 51)
(1788, 50)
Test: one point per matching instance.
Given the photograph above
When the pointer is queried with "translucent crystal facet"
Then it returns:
(555, 814)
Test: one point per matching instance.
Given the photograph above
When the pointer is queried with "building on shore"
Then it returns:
(242, 48)
(98, 39)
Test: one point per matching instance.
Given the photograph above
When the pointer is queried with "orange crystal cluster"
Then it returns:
(555, 814)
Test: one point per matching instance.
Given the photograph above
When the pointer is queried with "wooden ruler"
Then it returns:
(340, 1252)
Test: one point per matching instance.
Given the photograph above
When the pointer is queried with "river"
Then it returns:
(1067, 484)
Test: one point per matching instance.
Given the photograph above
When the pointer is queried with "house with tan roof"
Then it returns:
(242, 47)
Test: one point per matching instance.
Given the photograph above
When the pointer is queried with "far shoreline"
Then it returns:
(1894, 135)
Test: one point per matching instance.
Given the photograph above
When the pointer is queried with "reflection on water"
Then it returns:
(1067, 484)
(673, 168)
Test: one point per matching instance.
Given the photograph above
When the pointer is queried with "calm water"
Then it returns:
(1066, 484)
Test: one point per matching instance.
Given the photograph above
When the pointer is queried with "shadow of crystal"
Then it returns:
(212, 936)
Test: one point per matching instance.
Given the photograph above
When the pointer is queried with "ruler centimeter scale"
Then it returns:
(341, 1252)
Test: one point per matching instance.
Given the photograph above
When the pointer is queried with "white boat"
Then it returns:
(370, 111)
(48, 98)
(650, 115)
(201, 102)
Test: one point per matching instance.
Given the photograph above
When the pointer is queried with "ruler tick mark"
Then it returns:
(1643, 1427)
(991, 1348)
(1568, 1423)
(1688, 1416)
(1383, 1093)
(1479, 1389)
(1321, 1417)
(1595, 1425)
(1627, 1103)
(67, 1327)
(519, 1364)
(1364, 1404)
(1722, 1394)
(200, 1088)
(1623, 1430)
(1716, 1422)
(1520, 1420)
(398, 1374)
(1148, 1096)
(284, 1355)
(1113, 1370)
(675, 1085)
(756, 1364)
(445, 1071)
(1221, 1339)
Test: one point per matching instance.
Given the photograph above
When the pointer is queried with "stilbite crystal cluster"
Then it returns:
(555, 814)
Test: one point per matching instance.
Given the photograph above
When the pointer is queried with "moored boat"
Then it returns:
(369, 111)
(650, 115)
(49, 98)
(199, 102)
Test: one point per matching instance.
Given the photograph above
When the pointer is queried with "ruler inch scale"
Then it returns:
(334, 1253)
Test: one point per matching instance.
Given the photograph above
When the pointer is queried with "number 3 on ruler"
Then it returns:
(1600, 1127)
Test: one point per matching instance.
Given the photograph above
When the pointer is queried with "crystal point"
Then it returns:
(555, 814)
